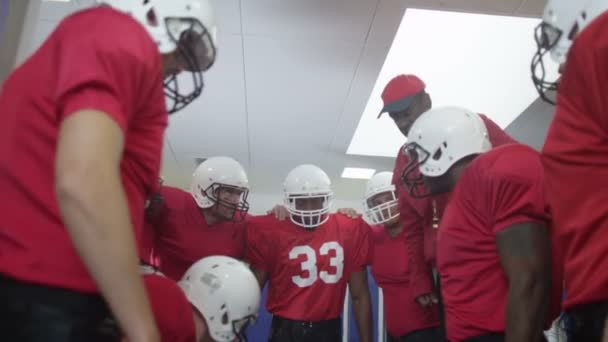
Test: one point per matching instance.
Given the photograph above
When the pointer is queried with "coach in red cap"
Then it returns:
(405, 99)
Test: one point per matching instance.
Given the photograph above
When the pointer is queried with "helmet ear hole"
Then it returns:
(151, 18)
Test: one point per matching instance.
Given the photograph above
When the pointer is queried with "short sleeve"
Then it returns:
(257, 250)
(517, 192)
(496, 134)
(103, 67)
(172, 310)
(363, 246)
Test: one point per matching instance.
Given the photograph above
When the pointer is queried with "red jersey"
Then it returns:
(306, 267)
(417, 217)
(575, 158)
(96, 59)
(391, 272)
(498, 189)
(182, 236)
(172, 310)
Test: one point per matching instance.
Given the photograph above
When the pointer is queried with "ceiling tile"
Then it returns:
(345, 20)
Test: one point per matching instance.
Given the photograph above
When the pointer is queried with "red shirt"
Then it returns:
(390, 270)
(96, 59)
(172, 310)
(182, 236)
(417, 215)
(308, 269)
(575, 158)
(498, 189)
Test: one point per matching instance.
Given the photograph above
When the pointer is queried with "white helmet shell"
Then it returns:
(225, 292)
(377, 214)
(304, 182)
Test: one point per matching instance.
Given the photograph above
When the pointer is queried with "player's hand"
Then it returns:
(279, 211)
(426, 300)
(350, 212)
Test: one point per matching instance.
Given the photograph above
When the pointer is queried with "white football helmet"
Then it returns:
(218, 173)
(381, 213)
(225, 292)
(187, 26)
(305, 182)
(438, 139)
(562, 21)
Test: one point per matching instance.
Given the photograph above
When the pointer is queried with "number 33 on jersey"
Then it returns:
(308, 270)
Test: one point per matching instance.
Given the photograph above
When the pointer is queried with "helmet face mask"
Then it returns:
(308, 196)
(439, 139)
(184, 29)
(381, 203)
(196, 53)
(236, 212)
(546, 37)
(562, 21)
(221, 184)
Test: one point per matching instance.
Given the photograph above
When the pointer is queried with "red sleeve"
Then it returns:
(257, 251)
(104, 67)
(419, 279)
(363, 246)
(496, 134)
(517, 193)
(172, 310)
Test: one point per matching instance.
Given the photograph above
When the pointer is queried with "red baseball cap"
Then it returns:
(172, 310)
(400, 92)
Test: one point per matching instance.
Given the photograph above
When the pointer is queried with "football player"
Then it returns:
(207, 220)
(493, 245)
(215, 301)
(575, 35)
(308, 262)
(406, 321)
(405, 99)
(83, 121)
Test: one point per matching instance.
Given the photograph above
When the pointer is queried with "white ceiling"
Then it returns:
(290, 85)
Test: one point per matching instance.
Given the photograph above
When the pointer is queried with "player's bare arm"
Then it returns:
(362, 308)
(524, 251)
(94, 207)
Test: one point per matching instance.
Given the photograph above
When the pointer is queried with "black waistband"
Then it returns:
(48, 295)
(487, 338)
(278, 321)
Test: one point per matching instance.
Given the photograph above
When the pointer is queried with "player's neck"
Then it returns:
(210, 218)
(394, 229)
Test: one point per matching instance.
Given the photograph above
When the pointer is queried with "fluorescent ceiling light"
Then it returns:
(481, 62)
(357, 173)
(57, 0)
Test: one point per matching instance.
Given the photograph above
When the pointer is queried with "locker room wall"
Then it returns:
(261, 330)
(4, 5)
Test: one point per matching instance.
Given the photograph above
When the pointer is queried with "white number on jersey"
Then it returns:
(309, 265)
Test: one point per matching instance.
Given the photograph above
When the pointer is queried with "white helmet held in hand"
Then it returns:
(225, 292)
(304, 185)
(380, 213)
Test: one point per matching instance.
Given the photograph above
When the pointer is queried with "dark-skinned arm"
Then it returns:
(524, 251)
(362, 307)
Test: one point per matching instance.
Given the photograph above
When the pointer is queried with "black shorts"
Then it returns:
(286, 330)
(37, 313)
(587, 322)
